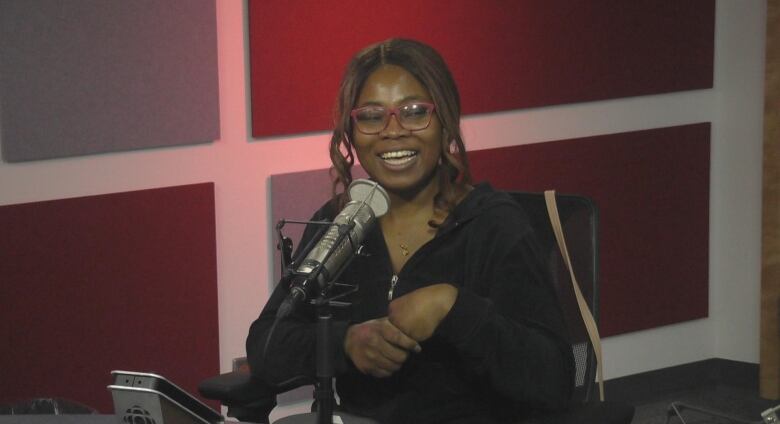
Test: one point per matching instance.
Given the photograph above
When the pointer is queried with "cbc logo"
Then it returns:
(137, 415)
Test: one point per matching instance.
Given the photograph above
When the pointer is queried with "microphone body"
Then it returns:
(342, 240)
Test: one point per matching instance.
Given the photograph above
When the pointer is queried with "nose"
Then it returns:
(394, 128)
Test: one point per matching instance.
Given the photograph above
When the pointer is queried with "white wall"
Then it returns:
(240, 168)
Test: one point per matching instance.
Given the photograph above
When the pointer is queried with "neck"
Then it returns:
(404, 205)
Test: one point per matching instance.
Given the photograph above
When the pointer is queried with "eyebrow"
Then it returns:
(406, 99)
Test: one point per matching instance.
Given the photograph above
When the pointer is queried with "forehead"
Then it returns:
(392, 84)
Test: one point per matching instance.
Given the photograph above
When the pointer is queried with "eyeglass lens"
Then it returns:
(412, 117)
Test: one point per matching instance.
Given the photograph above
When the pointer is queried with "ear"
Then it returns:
(446, 141)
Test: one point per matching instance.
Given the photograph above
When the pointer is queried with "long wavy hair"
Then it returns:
(425, 64)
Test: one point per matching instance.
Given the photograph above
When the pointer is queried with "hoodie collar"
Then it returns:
(478, 200)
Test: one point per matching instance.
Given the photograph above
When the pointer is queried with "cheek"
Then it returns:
(438, 134)
(435, 143)
(362, 149)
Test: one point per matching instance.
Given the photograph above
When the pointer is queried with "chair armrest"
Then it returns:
(235, 387)
(246, 398)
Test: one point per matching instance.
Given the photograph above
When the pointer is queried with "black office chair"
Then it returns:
(252, 401)
(580, 220)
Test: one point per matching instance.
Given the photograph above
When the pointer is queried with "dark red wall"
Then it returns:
(118, 281)
(504, 54)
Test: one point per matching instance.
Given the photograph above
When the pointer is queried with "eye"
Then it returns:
(370, 114)
(415, 110)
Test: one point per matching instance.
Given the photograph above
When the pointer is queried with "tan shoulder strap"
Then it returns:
(587, 316)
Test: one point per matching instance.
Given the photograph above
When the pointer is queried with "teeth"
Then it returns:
(398, 154)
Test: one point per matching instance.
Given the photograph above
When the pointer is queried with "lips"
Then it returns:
(398, 157)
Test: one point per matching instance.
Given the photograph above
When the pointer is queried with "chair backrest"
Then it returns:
(579, 218)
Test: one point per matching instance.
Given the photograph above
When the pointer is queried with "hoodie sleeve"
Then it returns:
(506, 323)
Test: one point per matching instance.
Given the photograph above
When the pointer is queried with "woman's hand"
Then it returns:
(377, 347)
(419, 313)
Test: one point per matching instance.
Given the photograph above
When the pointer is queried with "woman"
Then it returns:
(454, 319)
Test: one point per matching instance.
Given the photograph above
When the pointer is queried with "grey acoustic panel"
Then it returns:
(80, 77)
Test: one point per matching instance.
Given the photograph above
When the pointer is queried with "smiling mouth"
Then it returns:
(398, 157)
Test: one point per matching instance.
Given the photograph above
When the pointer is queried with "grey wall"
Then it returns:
(88, 76)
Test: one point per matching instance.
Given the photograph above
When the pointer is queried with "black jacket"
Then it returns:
(500, 354)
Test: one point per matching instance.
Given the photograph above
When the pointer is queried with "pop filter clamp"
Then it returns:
(285, 246)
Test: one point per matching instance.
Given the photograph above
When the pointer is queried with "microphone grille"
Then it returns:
(372, 193)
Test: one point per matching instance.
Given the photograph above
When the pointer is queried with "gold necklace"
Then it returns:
(404, 249)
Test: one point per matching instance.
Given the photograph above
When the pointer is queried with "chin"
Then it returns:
(406, 185)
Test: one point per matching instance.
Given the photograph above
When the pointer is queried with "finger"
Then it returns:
(396, 337)
(386, 356)
(393, 354)
(379, 366)
(374, 370)
(379, 373)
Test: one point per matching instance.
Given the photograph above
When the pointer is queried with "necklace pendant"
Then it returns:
(404, 249)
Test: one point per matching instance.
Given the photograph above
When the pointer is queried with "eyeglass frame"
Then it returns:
(390, 112)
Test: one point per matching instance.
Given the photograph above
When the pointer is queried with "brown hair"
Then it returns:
(425, 64)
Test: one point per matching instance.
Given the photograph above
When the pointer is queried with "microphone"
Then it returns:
(342, 240)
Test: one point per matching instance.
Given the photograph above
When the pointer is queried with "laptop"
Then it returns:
(152, 399)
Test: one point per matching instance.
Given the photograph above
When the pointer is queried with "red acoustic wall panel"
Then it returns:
(118, 281)
(504, 54)
(652, 190)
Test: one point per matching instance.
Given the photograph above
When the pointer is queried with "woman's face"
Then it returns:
(402, 161)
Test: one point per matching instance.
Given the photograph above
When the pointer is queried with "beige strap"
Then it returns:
(587, 316)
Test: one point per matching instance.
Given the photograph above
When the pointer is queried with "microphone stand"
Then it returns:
(323, 391)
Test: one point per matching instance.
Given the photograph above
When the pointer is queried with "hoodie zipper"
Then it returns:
(393, 282)
(394, 278)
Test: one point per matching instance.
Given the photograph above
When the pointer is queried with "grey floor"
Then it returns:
(738, 402)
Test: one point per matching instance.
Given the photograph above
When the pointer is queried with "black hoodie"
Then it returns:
(501, 354)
